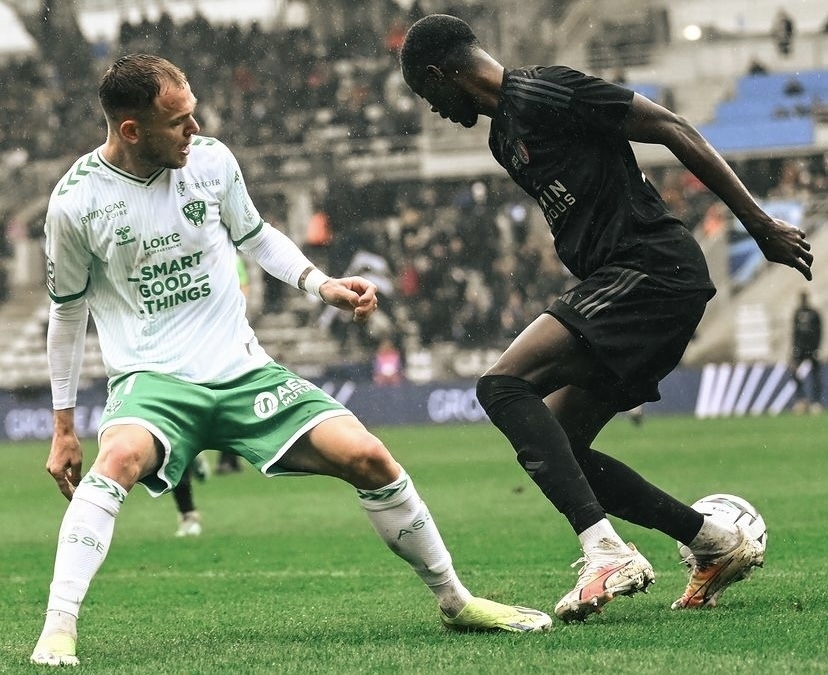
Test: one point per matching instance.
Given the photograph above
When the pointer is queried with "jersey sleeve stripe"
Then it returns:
(60, 299)
(250, 234)
(540, 91)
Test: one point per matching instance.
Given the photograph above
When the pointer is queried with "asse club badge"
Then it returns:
(195, 211)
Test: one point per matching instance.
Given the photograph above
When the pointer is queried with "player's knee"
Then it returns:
(494, 392)
(126, 457)
(123, 465)
(371, 466)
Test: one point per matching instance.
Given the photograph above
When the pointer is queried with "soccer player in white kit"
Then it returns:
(142, 233)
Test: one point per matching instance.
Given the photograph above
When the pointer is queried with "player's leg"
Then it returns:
(816, 384)
(189, 519)
(126, 453)
(147, 415)
(721, 554)
(547, 357)
(342, 447)
(800, 398)
(296, 427)
(227, 463)
(620, 490)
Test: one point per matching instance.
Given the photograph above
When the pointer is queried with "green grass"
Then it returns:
(288, 576)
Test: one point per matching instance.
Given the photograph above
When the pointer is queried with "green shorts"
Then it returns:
(259, 417)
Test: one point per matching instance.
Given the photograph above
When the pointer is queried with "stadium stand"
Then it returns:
(320, 120)
(774, 110)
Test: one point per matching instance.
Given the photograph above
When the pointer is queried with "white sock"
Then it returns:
(402, 519)
(83, 542)
(713, 537)
(602, 538)
(60, 622)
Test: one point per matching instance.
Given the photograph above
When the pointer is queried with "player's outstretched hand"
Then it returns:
(355, 294)
(65, 463)
(781, 242)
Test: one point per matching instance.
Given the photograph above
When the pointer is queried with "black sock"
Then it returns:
(626, 494)
(543, 450)
(183, 494)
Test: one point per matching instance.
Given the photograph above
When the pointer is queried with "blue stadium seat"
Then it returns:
(759, 134)
(763, 114)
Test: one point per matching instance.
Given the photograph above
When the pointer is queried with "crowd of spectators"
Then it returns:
(468, 261)
(255, 86)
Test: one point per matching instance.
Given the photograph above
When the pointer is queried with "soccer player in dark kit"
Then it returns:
(604, 345)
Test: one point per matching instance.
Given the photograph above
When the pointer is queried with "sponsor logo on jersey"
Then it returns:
(168, 283)
(181, 187)
(555, 200)
(195, 211)
(163, 242)
(123, 235)
(108, 212)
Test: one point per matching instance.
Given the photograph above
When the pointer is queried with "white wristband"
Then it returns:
(314, 280)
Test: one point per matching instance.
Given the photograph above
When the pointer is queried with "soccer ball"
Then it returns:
(730, 509)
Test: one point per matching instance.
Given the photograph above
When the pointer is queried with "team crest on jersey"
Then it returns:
(521, 151)
(195, 211)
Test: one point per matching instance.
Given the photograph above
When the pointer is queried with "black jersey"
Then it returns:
(558, 133)
(807, 332)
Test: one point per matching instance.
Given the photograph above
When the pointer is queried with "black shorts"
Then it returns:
(636, 327)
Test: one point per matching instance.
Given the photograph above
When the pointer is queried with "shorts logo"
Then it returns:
(113, 406)
(266, 405)
(195, 211)
(521, 151)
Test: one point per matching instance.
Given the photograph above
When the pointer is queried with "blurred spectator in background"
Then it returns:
(756, 67)
(318, 238)
(783, 32)
(794, 181)
(388, 363)
(715, 220)
(807, 337)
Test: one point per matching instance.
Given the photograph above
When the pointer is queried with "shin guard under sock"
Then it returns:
(84, 539)
(543, 449)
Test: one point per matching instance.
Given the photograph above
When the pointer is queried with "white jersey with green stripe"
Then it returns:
(155, 258)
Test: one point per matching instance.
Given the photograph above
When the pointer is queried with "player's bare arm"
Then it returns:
(780, 242)
(65, 460)
(355, 294)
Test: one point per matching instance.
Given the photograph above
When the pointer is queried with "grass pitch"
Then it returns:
(289, 577)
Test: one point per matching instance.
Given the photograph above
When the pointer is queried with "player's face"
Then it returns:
(448, 100)
(165, 133)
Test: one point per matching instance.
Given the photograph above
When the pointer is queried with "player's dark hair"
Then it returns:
(434, 40)
(133, 82)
